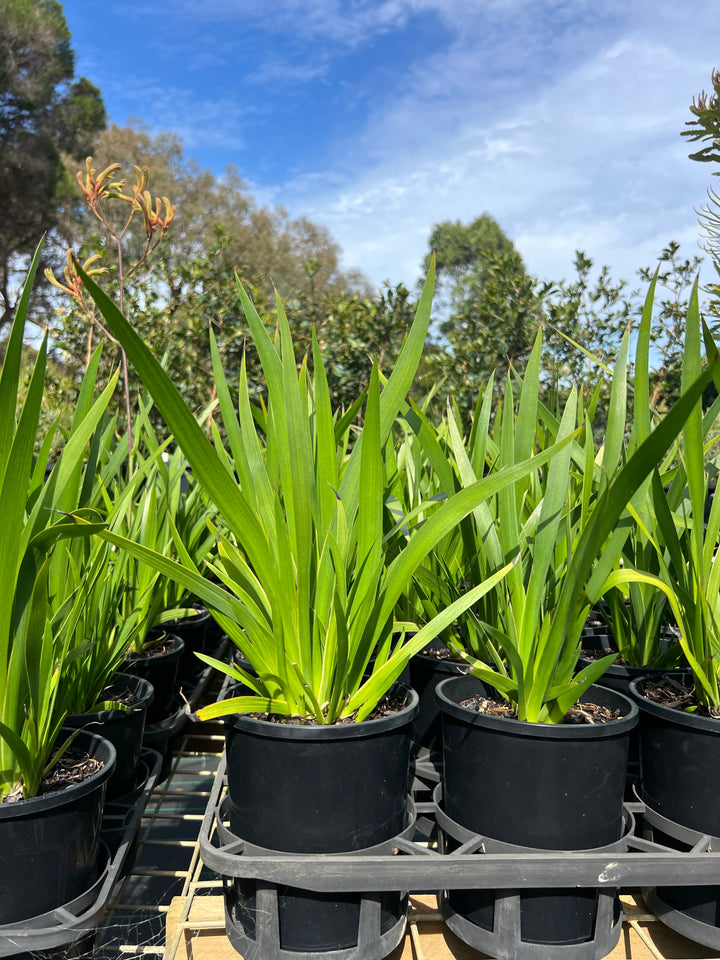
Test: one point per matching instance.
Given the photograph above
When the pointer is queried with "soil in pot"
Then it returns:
(50, 845)
(158, 664)
(540, 786)
(680, 780)
(123, 728)
(318, 789)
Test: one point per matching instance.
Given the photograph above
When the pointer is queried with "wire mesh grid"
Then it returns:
(167, 863)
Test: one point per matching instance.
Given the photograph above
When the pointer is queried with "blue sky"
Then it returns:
(379, 118)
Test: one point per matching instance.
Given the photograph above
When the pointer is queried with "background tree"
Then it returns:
(261, 242)
(705, 126)
(676, 275)
(495, 314)
(177, 283)
(45, 115)
(492, 306)
(593, 310)
(463, 248)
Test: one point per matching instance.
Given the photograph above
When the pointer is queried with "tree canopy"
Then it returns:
(46, 113)
(262, 242)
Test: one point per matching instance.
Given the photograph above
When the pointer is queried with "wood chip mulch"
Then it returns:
(678, 695)
(581, 713)
(441, 653)
(391, 703)
(118, 694)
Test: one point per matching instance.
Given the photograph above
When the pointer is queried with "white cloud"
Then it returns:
(561, 118)
(210, 123)
(284, 72)
(588, 157)
(350, 24)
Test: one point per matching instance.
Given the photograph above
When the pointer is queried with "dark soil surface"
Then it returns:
(597, 653)
(118, 694)
(673, 693)
(580, 713)
(441, 653)
(73, 767)
(156, 649)
(392, 702)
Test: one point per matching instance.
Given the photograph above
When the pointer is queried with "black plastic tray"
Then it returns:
(71, 922)
(477, 864)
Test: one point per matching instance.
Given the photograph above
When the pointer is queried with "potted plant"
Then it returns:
(308, 596)
(635, 619)
(111, 604)
(680, 718)
(184, 514)
(49, 819)
(96, 695)
(520, 714)
(153, 505)
(93, 595)
(426, 473)
(503, 526)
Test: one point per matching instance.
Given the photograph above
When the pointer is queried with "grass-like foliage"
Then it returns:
(567, 524)
(308, 590)
(34, 643)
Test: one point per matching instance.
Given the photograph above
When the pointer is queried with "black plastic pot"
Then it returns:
(680, 763)
(680, 781)
(618, 676)
(50, 845)
(693, 911)
(540, 786)
(161, 671)
(123, 728)
(426, 672)
(197, 635)
(318, 789)
(159, 736)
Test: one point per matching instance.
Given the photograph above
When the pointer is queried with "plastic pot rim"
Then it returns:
(143, 689)
(662, 712)
(328, 731)
(201, 615)
(543, 731)
(93, 743)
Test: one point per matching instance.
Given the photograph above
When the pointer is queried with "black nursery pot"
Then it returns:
(680, 762)
(318, 789)
(542, 786)
(426, 672)
(123, 728)
(161, 672)
(618, 676)
(197, 634)
(680, 780)
(50, 845)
